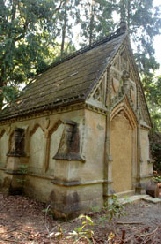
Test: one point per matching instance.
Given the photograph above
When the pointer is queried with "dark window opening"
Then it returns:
(17, 143)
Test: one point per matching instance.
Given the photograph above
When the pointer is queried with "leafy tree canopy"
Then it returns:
(35, 33)
(28, 32)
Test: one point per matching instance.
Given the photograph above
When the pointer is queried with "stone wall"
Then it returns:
(62, 160)
(59, 158)
(146, 167)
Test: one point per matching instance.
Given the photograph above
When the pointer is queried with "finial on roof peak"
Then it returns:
(122, 27)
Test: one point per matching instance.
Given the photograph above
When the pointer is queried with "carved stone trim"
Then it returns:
(128, 112)
(2, 132)
(65, 183)
(96, 109)
(34, 128)
(99, 92)
(76, 183)
(69, 156)
(144, 126)
(41, 114)
(54, 127)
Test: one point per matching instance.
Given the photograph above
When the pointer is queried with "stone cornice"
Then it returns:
(144, 126)
(36, 115)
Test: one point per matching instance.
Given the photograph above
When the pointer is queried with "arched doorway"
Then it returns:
(123, 148)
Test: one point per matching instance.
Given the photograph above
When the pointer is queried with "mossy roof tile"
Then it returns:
(69, 80)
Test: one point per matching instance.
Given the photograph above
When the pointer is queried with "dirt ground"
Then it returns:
(25, 221)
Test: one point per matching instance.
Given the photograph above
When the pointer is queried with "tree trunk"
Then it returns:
(7, 57)
(91, 23)
(128, 13)
(123, 10)
(64, 32)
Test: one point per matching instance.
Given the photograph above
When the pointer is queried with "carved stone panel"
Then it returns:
(98, 96)
(129, 86)
(115, 84)
(121, 82)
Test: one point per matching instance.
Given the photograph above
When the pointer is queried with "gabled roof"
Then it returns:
(68, 81)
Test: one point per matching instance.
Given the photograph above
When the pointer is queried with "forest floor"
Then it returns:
(25, 221)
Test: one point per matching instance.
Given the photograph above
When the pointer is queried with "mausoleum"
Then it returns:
(79, 131)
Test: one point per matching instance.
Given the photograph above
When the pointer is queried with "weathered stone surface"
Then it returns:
(84, 127)
(122, 155)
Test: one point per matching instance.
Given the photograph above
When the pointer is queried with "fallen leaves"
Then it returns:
(25, 221)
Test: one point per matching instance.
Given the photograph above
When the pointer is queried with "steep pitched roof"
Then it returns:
(68, 81)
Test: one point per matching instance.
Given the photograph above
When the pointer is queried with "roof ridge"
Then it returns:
(82, 50)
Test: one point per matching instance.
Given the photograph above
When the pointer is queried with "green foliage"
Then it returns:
(157, 179)
(155, 145)
(10, 93)
(153, 96)
(144, 23)
(18, 21)
(23, 169)
(35, 33)
(28, 32)
(85, 230)
(114, 209)
(95, 209)
(96, 20)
